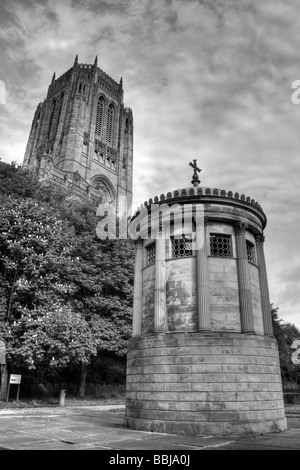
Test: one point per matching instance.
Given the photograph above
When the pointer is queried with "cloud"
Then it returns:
(206, 79)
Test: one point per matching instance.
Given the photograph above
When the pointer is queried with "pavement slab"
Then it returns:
(97, 428)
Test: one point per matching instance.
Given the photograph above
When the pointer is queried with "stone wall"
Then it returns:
(224, 294)
(148, 299)
(256, 299)
(204, 384)
(181, 294)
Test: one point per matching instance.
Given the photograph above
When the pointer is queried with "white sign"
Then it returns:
(14, 379)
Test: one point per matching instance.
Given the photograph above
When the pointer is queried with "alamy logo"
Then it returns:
(296, 94)
(157, 221)
(2, 92)
(296, 354)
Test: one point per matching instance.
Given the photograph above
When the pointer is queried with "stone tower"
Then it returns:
(82, 136)
(202, 358)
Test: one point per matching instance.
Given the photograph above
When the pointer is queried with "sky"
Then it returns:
(206, 79)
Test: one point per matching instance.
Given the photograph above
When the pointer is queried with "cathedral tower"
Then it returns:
(82, 136)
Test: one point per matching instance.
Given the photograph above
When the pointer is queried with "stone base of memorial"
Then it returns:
(204, 384)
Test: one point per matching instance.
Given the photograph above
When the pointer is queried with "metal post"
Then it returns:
(7, 394)
(62, 398)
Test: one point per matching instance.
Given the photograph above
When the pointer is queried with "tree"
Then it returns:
(58, 281)
(16, 182)
(33, 243)
(286, 333)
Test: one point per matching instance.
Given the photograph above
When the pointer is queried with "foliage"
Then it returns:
(286, 333)
(66, 296)
(17, 182)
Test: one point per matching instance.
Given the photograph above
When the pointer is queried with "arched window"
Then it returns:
(110, 121)
(99, 116)
(59, 114)
(51, 118)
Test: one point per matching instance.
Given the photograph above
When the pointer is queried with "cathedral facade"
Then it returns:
(82, 137)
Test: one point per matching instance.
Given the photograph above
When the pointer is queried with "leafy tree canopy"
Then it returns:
(66, 296)
(286, 333)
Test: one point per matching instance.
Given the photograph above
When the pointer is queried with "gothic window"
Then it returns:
(110, 121)
(99, 116)
(220, 245)
(59, 114)
(181, 247)
(51, 118)
(151, 251)
(250, 252)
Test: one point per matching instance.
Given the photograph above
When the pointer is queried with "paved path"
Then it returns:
(102, 428)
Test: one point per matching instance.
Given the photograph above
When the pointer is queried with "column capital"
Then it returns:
(240, 227)
(260, 239)
(138, 243)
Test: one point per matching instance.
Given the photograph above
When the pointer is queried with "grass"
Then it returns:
(105, 395)
(69, 402)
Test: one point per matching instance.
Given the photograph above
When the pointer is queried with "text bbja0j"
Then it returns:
(164, 459)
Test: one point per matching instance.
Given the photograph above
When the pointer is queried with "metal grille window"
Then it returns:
(250, 252)
(110, 120)
(181, 247)
(99, 115)
(151, 251)
(220, 245)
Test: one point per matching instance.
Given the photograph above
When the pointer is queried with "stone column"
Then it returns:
(247, 322)
(138, 289)
(203, 300)
(264, 288)
(160, 283)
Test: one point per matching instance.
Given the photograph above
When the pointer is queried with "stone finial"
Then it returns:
(53, 79)
(195, 181)
(96, 61)
(121, 82)
(76, 60)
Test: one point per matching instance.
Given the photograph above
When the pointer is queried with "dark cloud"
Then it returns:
(207, 79)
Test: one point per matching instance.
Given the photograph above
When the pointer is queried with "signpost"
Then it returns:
(16, 380)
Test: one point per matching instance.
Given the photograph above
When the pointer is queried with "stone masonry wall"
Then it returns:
(181, 294)
(256, 299)
(204, 384)
(148, 299)
(224, 294)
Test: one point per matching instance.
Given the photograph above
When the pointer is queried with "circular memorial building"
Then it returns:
(202, 358)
